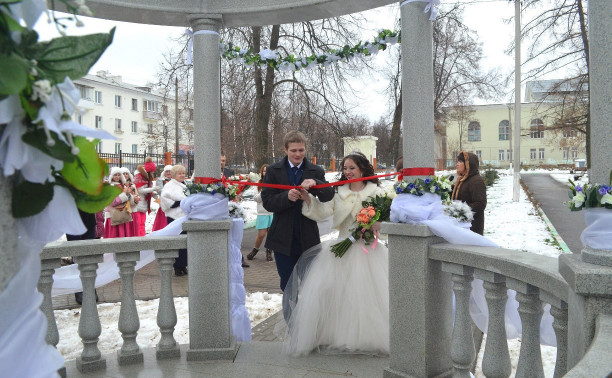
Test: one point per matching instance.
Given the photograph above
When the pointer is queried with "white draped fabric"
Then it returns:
(427, 209)
(23, 327)
(200, 207)
(598, 231)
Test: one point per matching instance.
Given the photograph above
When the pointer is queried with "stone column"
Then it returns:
(8, 233)
(420, 306)
(207, 95)
(600, 86)
(590, 294)
(417, 86)
(210, 336)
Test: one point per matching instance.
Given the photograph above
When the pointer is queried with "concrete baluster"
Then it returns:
(166, 313)
(89, 324)
(559, 313)
(496, 359)
(129, 324)
(462, 343)
(45, 283)
(530, 311)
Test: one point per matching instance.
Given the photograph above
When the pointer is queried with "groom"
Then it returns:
(291, 233)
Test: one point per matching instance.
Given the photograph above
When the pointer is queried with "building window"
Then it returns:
(134, 104)
(99, 147)
(134, 148)
(565, 153)
(501, 155)
(79, 118)
(117, 101)
(98, 122)
(85, 92)
(532, 154)
(180, 134)
(479, 154)
(474, 131)
(117, 148)
(190, 135)
(150, 128)
(541, 154)
(98, 97)
(165, 131)
(151, 106)
(574, 152)
(134, 127)
(504, 130)
(150, 149)
(191, 114)
(508, 154)
(570, 133)
(537, 129)
(165, 110)
(117, 124)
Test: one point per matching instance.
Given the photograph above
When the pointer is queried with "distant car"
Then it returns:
(579, 169)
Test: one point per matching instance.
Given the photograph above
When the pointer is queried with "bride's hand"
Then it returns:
(375, 226)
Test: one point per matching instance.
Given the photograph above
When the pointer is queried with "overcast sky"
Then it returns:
(137, 49)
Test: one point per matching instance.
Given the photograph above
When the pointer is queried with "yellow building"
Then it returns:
(364, 144)
(487, 131)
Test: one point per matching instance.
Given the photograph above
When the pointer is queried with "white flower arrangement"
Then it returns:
(236, 210)
(254, 177)
(458, 210)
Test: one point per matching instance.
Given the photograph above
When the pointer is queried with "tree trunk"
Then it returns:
(263, 101)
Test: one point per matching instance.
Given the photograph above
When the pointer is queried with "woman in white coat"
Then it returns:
(171, 197)
(343, 304)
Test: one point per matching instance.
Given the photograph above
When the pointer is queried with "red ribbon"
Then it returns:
(225, 181)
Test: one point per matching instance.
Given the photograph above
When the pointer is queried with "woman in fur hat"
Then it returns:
(116, 177)
(160, 219)
(143, 181)
(470, 188)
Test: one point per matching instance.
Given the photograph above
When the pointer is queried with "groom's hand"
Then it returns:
(294, 195)
(308, 183)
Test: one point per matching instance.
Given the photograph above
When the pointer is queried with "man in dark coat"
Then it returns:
(471, 189)
(291, 233)
(227, 172)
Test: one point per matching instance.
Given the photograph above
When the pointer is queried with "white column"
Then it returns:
(417, 86)
(207, 95)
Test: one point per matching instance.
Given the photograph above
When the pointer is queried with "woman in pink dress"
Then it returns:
(117, 178)
(160, 219)
(143, 180)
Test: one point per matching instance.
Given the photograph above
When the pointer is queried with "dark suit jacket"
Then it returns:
(275, 200)
(227, 172)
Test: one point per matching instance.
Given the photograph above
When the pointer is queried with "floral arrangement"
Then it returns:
(589, 196)
(291, 63)
(378, 208)
(47, 154)
(236, 210)
(432, 184)
(229, 191)
(458, 210)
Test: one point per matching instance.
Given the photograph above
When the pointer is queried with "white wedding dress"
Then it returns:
(343, 303)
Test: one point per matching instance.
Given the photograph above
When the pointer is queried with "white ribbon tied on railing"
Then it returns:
(432, 5)
(191, 34)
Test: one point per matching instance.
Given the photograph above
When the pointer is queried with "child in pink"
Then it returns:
(117, 178)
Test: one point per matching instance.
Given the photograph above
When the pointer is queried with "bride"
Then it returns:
(343, 302)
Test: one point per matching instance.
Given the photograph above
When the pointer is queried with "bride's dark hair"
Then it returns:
(364, 166)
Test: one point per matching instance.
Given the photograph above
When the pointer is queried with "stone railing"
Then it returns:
(424, 341)
(209, 306)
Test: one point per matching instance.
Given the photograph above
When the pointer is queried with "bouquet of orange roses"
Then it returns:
(377, 209)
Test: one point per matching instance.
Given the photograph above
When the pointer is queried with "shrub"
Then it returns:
(490, 176)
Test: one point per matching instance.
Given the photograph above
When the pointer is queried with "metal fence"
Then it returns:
(131, 161)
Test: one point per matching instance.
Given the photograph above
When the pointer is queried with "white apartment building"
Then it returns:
(136, 115)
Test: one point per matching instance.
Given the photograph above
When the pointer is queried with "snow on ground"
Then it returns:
(514, 225)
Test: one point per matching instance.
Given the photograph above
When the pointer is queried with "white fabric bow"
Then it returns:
(191, 34)
(432, 5)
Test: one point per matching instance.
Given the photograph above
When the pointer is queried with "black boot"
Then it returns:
(252, 254)
(244, 264)
(269, 255)
(179, 272)
(78, 297)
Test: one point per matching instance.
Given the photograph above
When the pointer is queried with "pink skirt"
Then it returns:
(139, 223)
(120, 231)
(160, 220)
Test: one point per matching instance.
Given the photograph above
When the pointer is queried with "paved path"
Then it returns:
(551, 194)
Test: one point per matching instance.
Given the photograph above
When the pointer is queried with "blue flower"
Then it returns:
(578, 188)
(410, 186)
(427, 180)
(398, 190)
(437, 188)
(213, 192)
(603, 190)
